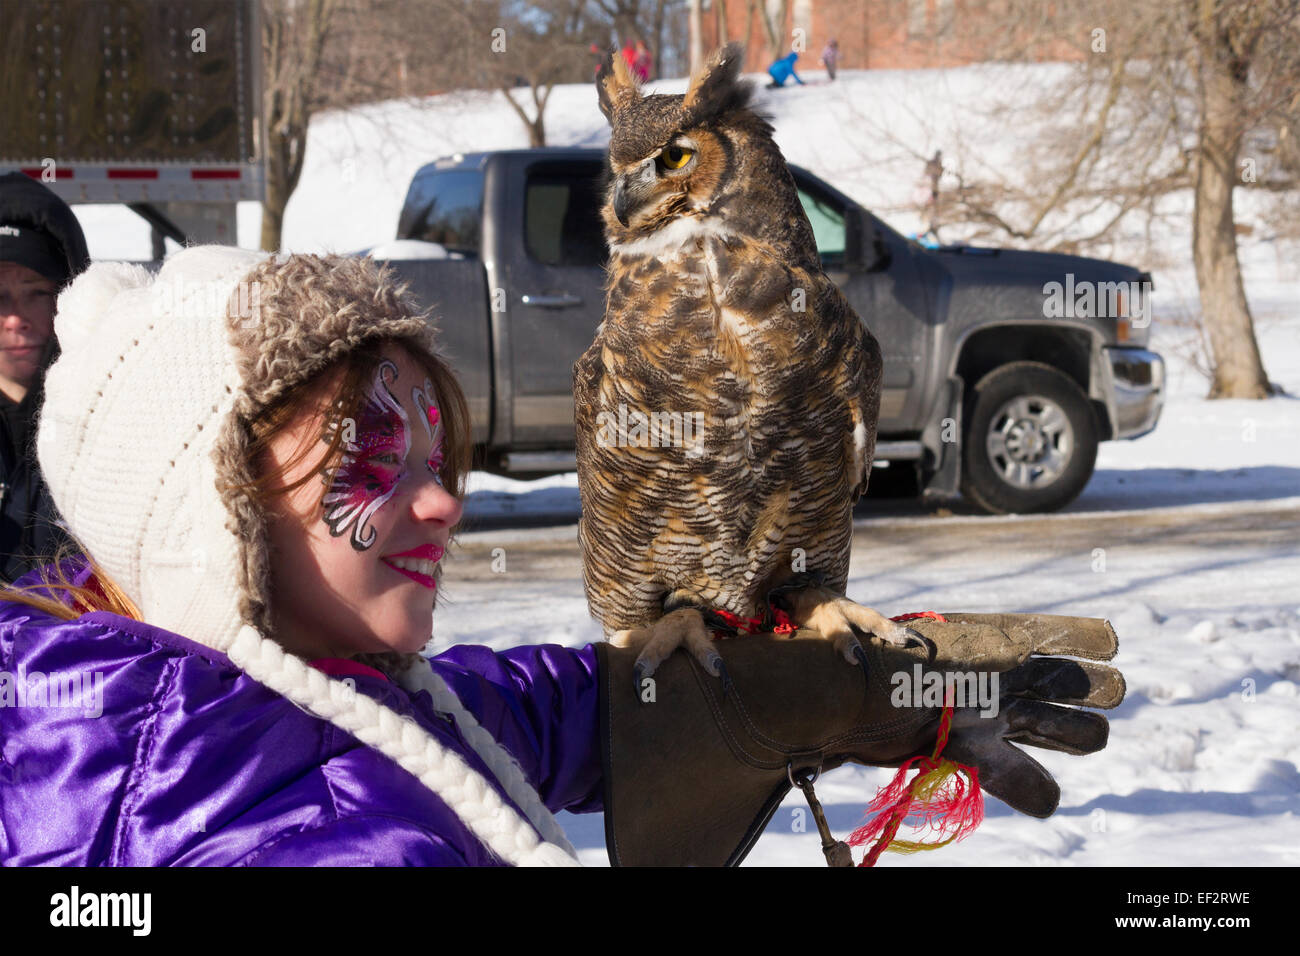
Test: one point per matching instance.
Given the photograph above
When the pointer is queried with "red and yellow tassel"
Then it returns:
(943, 799)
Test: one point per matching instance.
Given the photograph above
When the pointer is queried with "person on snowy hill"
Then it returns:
(831, 57)
(41, 248)
(782, 70)
(643, 63)
(263, 460)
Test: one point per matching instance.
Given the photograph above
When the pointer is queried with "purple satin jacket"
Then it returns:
(123, 744)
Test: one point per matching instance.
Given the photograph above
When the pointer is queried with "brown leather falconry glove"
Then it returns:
(693, 774)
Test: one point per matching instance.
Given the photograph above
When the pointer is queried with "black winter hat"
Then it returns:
(39, 230)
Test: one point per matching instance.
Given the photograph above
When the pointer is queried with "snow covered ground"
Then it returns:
(1201, 766)
(1188, 540)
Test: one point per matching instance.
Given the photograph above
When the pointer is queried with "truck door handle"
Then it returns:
(562, 301)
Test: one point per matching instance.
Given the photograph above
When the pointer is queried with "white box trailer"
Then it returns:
(155, 104)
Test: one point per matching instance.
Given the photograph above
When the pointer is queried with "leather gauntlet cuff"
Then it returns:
(693, 774)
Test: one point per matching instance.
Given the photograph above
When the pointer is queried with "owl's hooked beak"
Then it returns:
(632, 189)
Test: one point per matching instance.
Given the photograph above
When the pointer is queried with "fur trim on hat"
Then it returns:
(288, 321)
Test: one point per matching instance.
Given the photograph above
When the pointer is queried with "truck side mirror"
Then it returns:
(867, 251)
(879, 257)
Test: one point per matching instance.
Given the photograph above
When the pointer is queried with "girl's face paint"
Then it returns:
(425, 398)
(374, 461)
(360, 575)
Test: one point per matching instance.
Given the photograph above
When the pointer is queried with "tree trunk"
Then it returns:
(773, 27)
(292, 69)
(696, 31)
(286, 147)
(657, 50)
(1238, 371)
(273, 211)
(534, 124)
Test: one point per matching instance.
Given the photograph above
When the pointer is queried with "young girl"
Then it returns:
(267, 456)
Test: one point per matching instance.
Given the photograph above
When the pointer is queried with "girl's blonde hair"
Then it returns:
(99, 593)
(354, 372)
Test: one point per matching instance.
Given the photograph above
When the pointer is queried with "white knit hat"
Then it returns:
(144, 435)
(132, 409)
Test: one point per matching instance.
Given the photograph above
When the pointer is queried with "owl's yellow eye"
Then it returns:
(675, 157)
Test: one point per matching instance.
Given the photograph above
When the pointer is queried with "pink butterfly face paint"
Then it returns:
(374, 462)
(426, 400)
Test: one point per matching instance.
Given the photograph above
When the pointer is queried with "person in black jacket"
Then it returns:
(42, 248)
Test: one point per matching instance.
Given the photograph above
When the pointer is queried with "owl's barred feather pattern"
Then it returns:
(717, 305)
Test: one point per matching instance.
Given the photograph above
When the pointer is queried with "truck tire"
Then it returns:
(1030, 442)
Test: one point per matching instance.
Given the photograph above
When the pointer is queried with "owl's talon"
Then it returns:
(920, 640)
(899, 635)
(656, 642)
(860, 653)
(907, 637)
(902, 636)
(840, 618)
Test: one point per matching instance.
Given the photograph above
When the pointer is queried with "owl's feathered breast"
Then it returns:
(714, 421)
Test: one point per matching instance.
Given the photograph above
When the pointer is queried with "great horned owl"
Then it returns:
(726, 411)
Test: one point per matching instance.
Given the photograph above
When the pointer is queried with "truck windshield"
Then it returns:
(444, 207)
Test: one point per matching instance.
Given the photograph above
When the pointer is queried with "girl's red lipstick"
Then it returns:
(425, 552)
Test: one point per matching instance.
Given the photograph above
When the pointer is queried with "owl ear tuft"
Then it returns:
(616, 88)
(717, 87)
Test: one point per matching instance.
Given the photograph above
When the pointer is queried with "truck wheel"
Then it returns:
(1030, 442)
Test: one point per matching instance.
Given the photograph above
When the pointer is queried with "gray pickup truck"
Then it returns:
(1003, 369)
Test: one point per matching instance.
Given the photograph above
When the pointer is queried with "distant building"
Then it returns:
(872, 34)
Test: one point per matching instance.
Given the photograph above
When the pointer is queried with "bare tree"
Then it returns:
(625, 16)
(321, 55)
(1240, 63)
(1163, 97)
(663, 24)
(529, 48)
(294, 35)
(331, 54)
(720, 28)
(772, 16)
(663, 14)
(697, 30)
